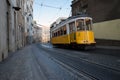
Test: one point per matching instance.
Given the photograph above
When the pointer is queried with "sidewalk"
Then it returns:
(109, 47)
(33, 63)
(20, 66)
(107, 61)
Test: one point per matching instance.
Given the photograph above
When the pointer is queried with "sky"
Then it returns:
(45, 12)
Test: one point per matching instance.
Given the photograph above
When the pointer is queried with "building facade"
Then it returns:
(7, 27)
(20, 26)
(45, 34)
(37, 33)
(3, 29)
(28, 15)
(106, 18)
(12, 26)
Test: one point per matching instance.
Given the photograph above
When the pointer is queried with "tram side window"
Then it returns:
(72, 27)
(55, 35)
(58, 32)
(52, 34)
(65, 31)
(61, 31)
(80, 25)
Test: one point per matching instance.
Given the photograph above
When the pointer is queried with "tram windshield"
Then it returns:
(84, 24)
(88, 23)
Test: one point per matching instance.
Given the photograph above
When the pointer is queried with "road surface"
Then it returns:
(43, 62)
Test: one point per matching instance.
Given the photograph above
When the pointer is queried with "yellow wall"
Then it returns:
(109, 30)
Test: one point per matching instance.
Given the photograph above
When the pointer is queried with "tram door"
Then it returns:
(88, 30)
(81, 31)
(72, 32)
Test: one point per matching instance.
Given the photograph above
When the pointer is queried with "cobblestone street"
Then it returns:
(18, 66)
(39, 62)
(28, 64)
(59, 40)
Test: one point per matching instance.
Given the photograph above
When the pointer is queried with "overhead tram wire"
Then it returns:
(51, 6)
(60, 9)
(44, 5)
(41, 9)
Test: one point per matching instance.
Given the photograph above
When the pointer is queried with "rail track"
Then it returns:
(63, 59)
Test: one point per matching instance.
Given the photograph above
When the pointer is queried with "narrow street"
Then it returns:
(43, 62)
(85, 35)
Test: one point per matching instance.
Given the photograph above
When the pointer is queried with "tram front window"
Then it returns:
(88, 24)
(84, 24)
(80, 25)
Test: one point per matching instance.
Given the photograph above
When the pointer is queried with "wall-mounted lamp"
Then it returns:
(30, 14)
(17, 8)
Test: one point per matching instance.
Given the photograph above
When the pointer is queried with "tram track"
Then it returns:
(67, 53)
(74, 70)
(64, 59)
(86, 60)
(70, 68)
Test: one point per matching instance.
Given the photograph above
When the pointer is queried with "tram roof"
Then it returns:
(79, 16)
(70, 19)
(75, 17)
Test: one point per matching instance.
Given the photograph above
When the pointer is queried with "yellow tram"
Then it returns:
(75, 31)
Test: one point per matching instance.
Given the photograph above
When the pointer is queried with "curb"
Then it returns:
(109, 47)
(97, 63)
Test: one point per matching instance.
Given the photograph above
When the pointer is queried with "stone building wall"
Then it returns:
(3, 29)
(7, 23)
(12, 26)
(20, 25)
(103, 10)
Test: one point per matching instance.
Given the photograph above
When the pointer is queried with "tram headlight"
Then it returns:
(85, 41)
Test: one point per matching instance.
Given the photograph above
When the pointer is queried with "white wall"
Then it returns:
(3, 29)
(109, 30)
